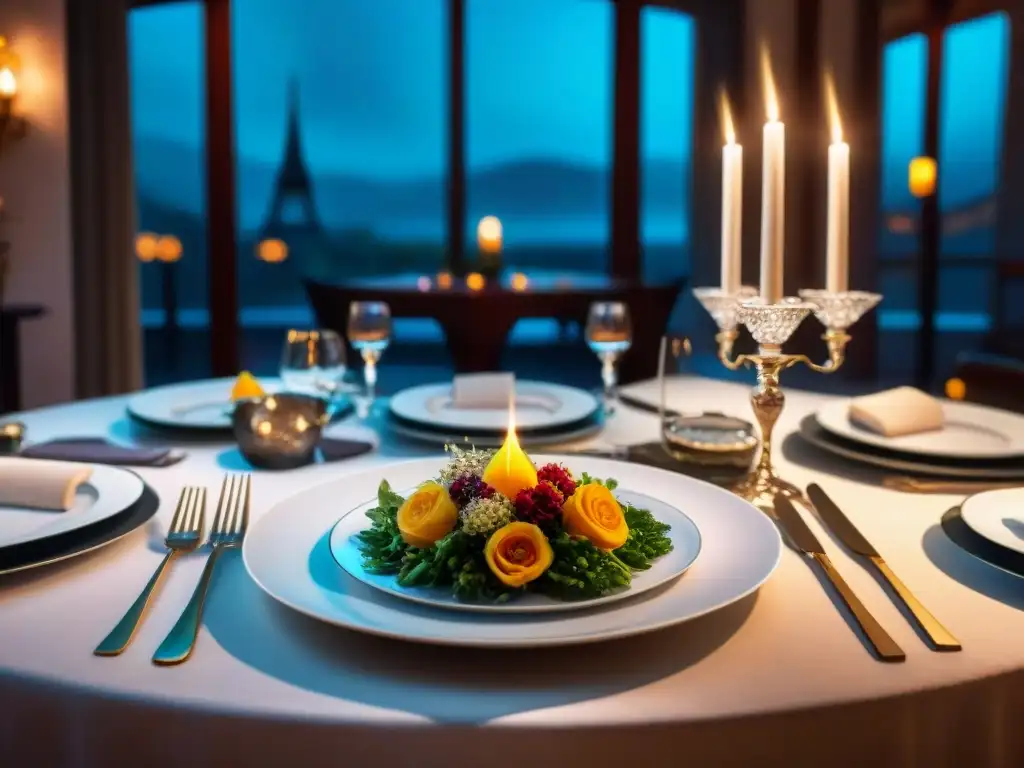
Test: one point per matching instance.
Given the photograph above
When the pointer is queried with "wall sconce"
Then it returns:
(12, 126)
(923, 173)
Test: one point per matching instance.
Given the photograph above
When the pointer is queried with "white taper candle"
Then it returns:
(732, 216)
(773, 211)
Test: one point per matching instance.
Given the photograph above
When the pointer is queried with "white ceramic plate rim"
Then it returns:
(684, 532)
(116, 489)
(984, 514)
(576, 404)
(745, 541)
(834, 418)
(157, 405)
(908, 465)
(526, 440)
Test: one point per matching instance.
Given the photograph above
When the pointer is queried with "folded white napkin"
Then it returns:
(483, 390)
(895, 412)
(40, 484)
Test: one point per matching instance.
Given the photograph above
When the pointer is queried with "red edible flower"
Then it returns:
(540, 505)
(559, 477)
(468, 487)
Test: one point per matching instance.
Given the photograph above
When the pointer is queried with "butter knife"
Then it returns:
(803, 538)
(940, 637)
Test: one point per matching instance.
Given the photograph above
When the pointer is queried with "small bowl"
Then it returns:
(279, 431)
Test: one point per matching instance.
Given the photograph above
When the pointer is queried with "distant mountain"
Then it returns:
(172, 174)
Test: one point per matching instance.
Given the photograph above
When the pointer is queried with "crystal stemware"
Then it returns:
(609, 334)
(313, 362)
(369, 333)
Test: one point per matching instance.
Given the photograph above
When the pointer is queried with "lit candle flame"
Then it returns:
(771, 96)
(728, 127)
(833, 110)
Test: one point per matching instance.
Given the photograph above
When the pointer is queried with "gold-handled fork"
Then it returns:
(229, 525)
(183, 536)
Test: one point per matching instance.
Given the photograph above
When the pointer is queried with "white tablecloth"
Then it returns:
(778, 679)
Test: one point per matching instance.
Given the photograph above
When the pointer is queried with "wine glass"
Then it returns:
(369, 333)
(313, 362)
(609, 334)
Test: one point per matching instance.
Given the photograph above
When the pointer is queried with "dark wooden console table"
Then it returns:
(476, 324)
(10, 352)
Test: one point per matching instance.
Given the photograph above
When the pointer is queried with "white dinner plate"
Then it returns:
(287, 553)
(997, 516)
(202, 405)
(969, 432)
(685, 548)
(539, 405)
(527, 440)
(108, 491)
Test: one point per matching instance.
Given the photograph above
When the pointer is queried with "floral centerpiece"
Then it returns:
(491, 526)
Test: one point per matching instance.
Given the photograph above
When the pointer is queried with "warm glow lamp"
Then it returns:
(475, 281)
(146, 246)
(11, 126)
(922, 176)
(168, 249)
(272, 251)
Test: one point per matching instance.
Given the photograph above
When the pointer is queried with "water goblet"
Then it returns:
(369, 333)
(313, 362)
(609, 334)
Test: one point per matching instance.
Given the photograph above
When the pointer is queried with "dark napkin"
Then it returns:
(95, 450)
(337, 449)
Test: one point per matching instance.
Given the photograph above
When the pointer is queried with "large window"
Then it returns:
(666, 130)
(538, 129)
(341, 126)
(167, 108)
(972, 101)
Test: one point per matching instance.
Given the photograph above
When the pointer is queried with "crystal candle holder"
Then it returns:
(724, 306)
(838, 311)
(772, 325)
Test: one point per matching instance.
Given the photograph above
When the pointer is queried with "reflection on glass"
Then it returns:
(369, 333)
(610, 335)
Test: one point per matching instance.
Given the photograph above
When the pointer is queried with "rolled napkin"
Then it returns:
(896, 412)
(40, 484)
(483, 390)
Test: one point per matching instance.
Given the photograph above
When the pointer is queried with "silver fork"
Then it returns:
(229, 525)
(183, 536)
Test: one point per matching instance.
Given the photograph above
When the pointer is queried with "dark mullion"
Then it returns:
(456, 135)
(221, 235)
(625, 191)
(928, 273)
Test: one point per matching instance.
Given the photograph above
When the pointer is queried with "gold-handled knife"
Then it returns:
(803, 538)
(847, 532)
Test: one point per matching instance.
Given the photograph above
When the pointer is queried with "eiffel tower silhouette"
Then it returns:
(292, 216)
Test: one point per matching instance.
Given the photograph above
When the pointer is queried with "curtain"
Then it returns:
(108, 338)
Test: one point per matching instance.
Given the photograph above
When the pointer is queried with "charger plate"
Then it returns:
(287, 553)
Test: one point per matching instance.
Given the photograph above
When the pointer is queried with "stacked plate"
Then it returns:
(302, 555)
(990, 526)
(975, 442)
(112, 503)
(198, 406)
(545, 414)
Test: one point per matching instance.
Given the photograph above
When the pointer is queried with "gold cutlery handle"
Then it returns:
(121, 635)
(180, 641)
(957, 487)
(884, 646)
(942, 639)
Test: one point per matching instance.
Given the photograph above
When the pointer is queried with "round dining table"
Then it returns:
(778, 679)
